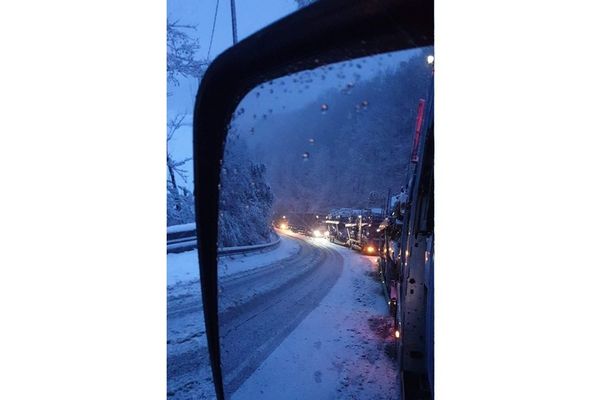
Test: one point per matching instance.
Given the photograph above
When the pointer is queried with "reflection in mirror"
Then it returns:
(312, 197)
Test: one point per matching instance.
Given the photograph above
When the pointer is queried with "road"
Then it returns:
(259, 309)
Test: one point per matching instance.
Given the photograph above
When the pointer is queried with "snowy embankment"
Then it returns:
(183, 267)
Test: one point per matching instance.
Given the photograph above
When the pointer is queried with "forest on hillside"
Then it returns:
(350, 154)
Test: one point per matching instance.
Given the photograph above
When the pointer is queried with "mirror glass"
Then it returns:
(311, 198)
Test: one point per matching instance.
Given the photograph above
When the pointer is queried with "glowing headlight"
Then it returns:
(282, 226)
(317, 233)
(370, 249)
(397, 334)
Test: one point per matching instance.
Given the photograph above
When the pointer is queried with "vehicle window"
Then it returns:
(313, 193)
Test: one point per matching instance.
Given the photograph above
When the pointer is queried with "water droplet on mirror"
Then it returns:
(324, 108)
(305, 155)
(257, 94)
(311, 141)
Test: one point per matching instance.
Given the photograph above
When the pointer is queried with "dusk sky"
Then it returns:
(252, 15)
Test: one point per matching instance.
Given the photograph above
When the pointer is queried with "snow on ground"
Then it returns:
(229, 265)
(181, 228)
(189, 375)
(183, 267)
(342, 350)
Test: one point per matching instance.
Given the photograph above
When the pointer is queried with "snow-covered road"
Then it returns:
(312, 321)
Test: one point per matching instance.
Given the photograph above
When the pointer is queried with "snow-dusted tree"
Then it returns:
(180, 201)
(181, 62)
(181, 53)
(245, 199)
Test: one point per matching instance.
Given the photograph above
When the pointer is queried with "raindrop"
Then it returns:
(257, 94)
(324, 108)
(364, 103)
(241, 111)
(305, 155)
(311, 141)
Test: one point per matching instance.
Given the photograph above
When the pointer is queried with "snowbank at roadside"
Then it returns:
(183, 267)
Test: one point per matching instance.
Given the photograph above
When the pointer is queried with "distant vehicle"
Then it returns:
(357, 229)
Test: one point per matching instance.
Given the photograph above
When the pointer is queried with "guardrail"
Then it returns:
(182, 238)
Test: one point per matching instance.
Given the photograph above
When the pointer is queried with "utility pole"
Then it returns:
(233, 22)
